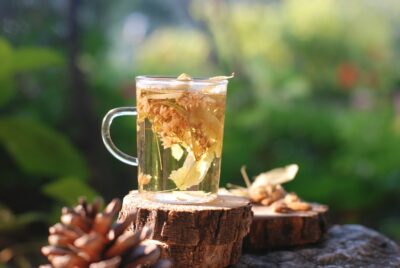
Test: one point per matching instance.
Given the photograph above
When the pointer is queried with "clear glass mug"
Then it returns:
(179, 137)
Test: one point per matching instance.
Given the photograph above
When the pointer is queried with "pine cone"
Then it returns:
(87, 238)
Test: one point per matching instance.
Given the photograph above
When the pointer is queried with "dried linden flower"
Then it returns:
(184, 77)
(188, 122)
(222, 77)
(267, 190)
(192, 172)
(177, 151)
(143, 179)
(276, 176)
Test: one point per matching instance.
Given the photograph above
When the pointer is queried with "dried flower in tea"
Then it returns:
(188, 122)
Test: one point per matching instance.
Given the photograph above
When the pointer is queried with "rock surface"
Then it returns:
(345, 246)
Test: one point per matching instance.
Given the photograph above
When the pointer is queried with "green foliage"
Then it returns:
(391, 226)
(12, 223)
(7, 90)
(35, 147)
(7, 87)
(344, 155)
(39, 150)
(180, 50)
(315, 84)
(67, 190)
(373, 155)
(35, 58)
(316, 95)
(26, 59)
(308, 41)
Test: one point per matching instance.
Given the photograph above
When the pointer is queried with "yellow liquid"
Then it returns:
(179, 144)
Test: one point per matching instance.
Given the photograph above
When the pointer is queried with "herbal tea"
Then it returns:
(180, 131)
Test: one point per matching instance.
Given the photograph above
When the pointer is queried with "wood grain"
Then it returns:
(201, 235)
(272, 230)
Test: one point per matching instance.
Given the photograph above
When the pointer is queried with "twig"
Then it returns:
(245, 176)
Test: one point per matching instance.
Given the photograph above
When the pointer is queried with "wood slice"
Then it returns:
(272, 230)
(203, 235)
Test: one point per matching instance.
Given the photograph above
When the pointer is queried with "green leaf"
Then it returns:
(22, 60)
(40, 150)
(7, 88)
(68, 190)
(10, 222)
(21, 221)
(6, 53)
(34, 58)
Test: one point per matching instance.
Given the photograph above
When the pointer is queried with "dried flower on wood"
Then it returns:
(268, 191)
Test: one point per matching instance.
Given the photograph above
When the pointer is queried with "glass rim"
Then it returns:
(174, 79)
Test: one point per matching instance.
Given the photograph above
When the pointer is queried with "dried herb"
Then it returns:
(189, 122)
(268, 191)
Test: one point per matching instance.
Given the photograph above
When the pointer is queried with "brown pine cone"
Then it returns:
(89, 238)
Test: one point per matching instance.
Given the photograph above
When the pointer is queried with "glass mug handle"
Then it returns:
(105, 134)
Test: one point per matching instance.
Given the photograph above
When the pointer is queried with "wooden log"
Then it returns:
(272, 230)
(201, 235)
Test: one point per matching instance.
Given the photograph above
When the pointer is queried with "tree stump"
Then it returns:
(203, 235)
(272, 230)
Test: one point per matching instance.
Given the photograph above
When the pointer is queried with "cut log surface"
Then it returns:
(203, 235)
(272, 230)
(345, 246)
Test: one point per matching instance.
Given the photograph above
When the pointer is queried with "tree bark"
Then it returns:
(272, 230)
(82, 114)
(204, 235)
(82, 121)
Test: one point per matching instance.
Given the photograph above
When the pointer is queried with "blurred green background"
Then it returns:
(317, 83)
